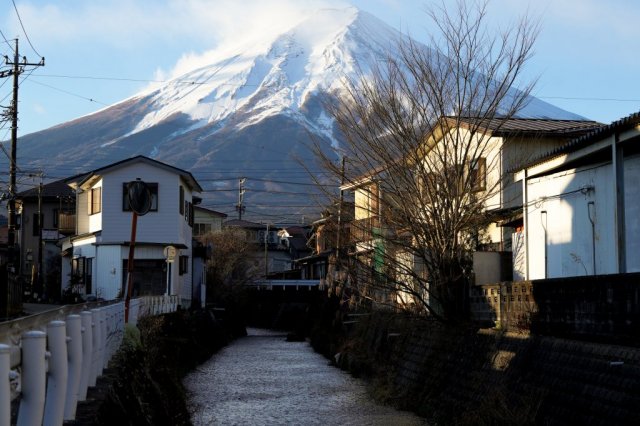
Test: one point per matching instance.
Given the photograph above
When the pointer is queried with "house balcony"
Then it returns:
(66, 223)
(363, 230)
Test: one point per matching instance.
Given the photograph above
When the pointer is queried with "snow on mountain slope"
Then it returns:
(240, 115)
(273, 76)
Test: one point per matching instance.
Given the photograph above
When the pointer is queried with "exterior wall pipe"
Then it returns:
(58, 374)
(87, 353)
(33, 378)
(525, 222)
(74, 351)
(591, 204)
(5, 388)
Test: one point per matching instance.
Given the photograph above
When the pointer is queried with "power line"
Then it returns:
(23, 29)
(6, 41)
(576, 98)
(69, 93)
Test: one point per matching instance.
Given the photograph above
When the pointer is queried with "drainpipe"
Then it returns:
(525, 223)
(543, 218)
(591, 206)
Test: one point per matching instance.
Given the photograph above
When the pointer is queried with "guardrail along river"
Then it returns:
(263, 380)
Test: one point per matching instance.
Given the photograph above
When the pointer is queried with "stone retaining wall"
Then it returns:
(466, 376)
(603, 308)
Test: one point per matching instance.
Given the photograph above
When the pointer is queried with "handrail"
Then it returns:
(65, 349)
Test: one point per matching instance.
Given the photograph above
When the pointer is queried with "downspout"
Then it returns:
(591, 204)
(543, 218)
(525, 223)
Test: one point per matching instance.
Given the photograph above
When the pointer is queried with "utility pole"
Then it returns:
(239, 206)
(39, 278)
(18, 68)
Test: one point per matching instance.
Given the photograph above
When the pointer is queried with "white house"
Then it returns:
(95, 259)
(582, 206)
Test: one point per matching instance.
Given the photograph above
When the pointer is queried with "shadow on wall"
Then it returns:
(469, 376)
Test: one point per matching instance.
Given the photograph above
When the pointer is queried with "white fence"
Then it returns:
(50, 360)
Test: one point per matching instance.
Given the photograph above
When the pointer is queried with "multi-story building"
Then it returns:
(95, 258)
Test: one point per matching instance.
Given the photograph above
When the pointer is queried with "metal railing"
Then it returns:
(50, 360)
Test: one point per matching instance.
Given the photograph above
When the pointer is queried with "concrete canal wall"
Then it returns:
(470, 376)
(143, 384)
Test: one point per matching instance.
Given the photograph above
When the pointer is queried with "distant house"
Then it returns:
(321, 263)
(206, 220)
(582, 205)
(276, 247)
(96, 258)
(45, 213)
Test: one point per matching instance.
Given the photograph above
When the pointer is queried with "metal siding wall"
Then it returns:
(108, 271)
(632, 212)
(82, 217)
(95, 220)
(161, 226)
(568, 226)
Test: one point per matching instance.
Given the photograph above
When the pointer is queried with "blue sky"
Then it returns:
(585, 59)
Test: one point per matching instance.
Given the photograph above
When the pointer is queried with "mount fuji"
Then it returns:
(249, 113)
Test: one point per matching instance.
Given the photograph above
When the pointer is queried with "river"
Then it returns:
(263, 380)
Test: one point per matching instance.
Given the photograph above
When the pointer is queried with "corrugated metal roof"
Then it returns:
(535, 125)
(591, 137)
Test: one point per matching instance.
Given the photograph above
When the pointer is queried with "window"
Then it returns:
(201, 229)
(88, 274)
(56, 218)
(95, 200)
(82, 273)
(188, 213)
(478, 174)
(183, 266)
(181, 200)
(38, 221)
(153, 189)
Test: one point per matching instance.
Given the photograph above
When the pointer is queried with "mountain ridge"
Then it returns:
(243, 115)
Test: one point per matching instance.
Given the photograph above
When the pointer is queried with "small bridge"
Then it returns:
(49, 360)
(282, 304)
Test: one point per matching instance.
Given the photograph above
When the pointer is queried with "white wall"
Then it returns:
(156, 226)
(569, 248)
(155, 230)
(109, 271)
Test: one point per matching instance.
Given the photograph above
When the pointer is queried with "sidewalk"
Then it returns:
(36, 308)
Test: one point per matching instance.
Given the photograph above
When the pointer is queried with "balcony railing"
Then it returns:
(66, 223)
(363, 230)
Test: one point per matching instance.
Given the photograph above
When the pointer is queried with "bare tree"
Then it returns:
(231, 264)
(422, 165)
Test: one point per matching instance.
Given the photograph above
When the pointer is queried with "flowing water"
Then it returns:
(263, 380)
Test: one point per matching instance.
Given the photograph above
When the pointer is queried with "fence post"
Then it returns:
(87, 353)
(108, 335)
(33, 378)
(5, 388)
(58, 373)
(102, 314)
(74, 350)
(95, 343)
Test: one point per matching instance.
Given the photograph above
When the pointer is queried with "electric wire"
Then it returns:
(23, 29)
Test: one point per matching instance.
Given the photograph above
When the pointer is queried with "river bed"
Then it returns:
(263, 380)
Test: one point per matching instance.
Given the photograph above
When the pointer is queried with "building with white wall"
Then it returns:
(581, 206)
(95, 259)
